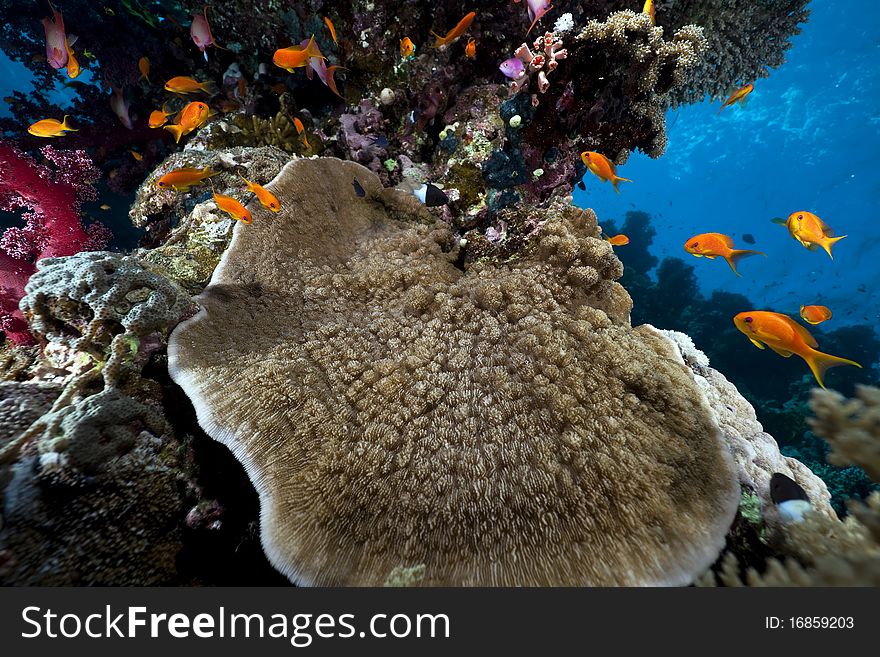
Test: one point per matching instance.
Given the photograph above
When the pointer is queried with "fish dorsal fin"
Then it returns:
(828, 230)
(759, 345)
(802, 332)
(781, 352)
(780, 221)
(726, 240)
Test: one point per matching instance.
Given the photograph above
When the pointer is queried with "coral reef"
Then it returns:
(851, 427)
(418, 406)
(52, 193)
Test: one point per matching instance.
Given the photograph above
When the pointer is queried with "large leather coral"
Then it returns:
(502, 425)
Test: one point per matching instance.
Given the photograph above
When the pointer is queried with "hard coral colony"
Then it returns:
(422, 355)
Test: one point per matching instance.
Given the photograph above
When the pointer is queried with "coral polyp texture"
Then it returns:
(501, 425)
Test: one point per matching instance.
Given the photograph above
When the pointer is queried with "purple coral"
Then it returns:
(548, 51)
(52, 196)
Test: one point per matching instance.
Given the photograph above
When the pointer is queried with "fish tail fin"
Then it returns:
(208, 171)
(208, 86)
(441, 41)
(66, 126)
(828, 242)
(205, 53)
(738, 254)
(617, 179)
(312, 49)
(820, 363)
(331, 81)
(175, 130)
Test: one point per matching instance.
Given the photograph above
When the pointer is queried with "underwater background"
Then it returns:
(807, 138)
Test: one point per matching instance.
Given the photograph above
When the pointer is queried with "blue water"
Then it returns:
(809, 139)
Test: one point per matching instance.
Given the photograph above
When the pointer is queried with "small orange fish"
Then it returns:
(332, 29)
(233, 208)
(184, 85)
(266, 197)
(786, 337)
(810, 231)
(294, 57)
(738, 96)
(602, 168)
(180, 180)
(815, 314)
(407, 48)
(73, 68)
(650, 10)
(158, 118)
(301, 130)
(713, 245)
(470, 50)
(191, 117)
(137, 156)
(144, 68)
(455, 32)
(50, 128)
(618, 240)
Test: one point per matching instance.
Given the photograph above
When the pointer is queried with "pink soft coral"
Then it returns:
(51, 193)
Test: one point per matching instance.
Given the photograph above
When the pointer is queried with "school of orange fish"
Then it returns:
(763, 328)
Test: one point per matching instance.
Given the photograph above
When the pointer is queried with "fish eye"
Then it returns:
(161, 184)
(800, 216)
(748, 320)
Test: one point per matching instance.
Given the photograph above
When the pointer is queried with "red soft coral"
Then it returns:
(52, 196)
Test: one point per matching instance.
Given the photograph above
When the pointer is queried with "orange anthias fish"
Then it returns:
(50, 128)
(158, 118)
(455, 32)
(470, 50)
(332, 29)
(233, 208)
(294, 57)
(191, 117)
(180, 180)
(650, 10)
(738, 96)
(266, 197)
(713, 245)
(786, 337)
(184, 85)
(618, 240)
(73, 68)
(407, 48)
(137, 156)
(144, 68)
(56, 40)
(301, 130)
(602, 168)
(815, 314)
(810, 231)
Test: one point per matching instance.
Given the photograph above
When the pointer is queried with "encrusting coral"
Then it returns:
(502, 425)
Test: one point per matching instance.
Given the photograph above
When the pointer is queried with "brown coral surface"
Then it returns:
(502, 425)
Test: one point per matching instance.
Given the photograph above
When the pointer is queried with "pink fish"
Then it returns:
(200, 32)
(120, 108)
(56, 52)
(537, 8)
(513, 68)
(325, 73)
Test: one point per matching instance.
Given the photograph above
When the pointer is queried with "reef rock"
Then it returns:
(496, 424)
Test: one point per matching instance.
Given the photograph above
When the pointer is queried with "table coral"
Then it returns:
(502, 425)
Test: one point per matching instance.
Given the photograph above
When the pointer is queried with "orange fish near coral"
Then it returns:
(618, 240)
(713, 245)
(184, 85)
(810, 231)
(651, 10)
(407, 48)
(602, 168)
(332, 29)
(50, 128)
(180, 180)
(786, 337)
(455, 32)
(266, 197)
(233, 208)
(73, 68)
(294, 57)
(815, 314)
(137, 156)
(470, 50)
(158, 118)
(738, 96)
(301, 131)
(144, 68)
(193, 116)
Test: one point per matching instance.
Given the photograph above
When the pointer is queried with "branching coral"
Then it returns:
(52, 196)
(501, 425)
(851, 427)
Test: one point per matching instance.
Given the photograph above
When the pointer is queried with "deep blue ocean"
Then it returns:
(808, 139)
